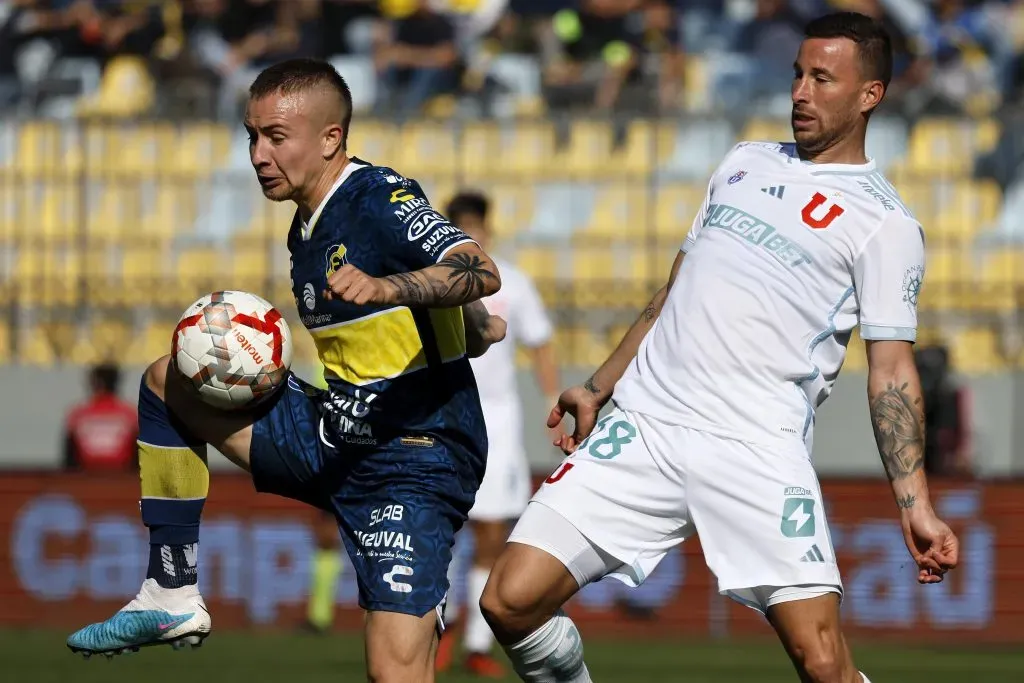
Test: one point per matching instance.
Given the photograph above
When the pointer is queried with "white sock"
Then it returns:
(478, 636)
(864, 677)
(451, 601)
(551, 654)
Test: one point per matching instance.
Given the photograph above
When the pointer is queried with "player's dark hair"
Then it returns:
(874, 45)
(468, 202)
(106, 378)
(299, 75)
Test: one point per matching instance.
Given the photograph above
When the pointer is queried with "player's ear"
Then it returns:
(331, 142)
(871, 96)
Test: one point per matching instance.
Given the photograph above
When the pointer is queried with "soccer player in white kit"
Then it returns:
(506, 486)
(716, 384)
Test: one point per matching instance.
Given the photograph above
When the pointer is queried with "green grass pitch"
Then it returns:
(41, 657)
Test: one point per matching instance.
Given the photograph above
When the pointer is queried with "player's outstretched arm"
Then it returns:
(464, 275)
(585, 402)
(897, 418)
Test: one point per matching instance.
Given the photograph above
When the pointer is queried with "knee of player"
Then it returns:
(156, 375)
(823, 659)
(509, 603)
(400, 665)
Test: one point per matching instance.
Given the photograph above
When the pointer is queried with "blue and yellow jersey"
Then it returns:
(396, 375)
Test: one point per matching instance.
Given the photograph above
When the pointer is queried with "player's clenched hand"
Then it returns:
(584, 408)
(933, 545)
(350, 284)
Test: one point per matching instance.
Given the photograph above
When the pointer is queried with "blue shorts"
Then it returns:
(398, 504)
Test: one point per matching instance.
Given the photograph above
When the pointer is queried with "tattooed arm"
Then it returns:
(602, 382)
(897, 418)
(464, 275)
(585, 402)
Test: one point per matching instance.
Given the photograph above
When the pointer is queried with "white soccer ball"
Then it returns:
(234, 348)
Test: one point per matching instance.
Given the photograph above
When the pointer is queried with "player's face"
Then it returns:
(284, 145)
(829, 92)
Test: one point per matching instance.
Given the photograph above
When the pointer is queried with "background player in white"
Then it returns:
(715, 388)
(506, 487)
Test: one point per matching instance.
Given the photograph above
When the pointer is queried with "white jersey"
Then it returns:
(519, 304)
(784, 259)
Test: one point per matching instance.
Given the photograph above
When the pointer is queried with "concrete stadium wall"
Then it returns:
(33, 404)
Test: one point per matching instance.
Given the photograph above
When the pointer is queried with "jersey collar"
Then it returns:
(827, 169)
(350, 168)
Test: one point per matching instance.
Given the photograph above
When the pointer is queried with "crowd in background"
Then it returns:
(953, 56)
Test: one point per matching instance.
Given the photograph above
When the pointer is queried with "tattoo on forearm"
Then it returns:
(411, 289)
(906, 502)
(462, 278)
(649, 313)
(467, 274)
(897, 426)
(590, 386)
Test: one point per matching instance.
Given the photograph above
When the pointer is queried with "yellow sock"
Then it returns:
(326, 570)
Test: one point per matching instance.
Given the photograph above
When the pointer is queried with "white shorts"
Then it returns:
(505, 489)
(636, 488)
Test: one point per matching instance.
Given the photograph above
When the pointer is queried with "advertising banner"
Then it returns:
(73, 549)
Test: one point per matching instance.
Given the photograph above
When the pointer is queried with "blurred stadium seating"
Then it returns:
(132, 220)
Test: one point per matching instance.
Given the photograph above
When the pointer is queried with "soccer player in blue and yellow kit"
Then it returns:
(394, 448)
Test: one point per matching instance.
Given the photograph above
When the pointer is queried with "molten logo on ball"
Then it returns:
(222, 345)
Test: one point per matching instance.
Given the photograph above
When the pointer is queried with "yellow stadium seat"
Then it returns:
(588, 153)
(1000, 281)
(543, 266)
(5, 342)
(512, 207)
(126, 89)
(481, 150)
(426, 149)
(676, 207)
(149, 343)
(771, 130)
(47, 277)
(596, 280)
(621, 213)
(696, 83)
(200, 270)
(963, 208)
(531, 149)
(946, 148)
(173, 211)
(919, 196)
(949, 280)
(144, 276)
(270, 220)
(647, 146)
(200, 149)
(375, 142)
(34, 347)
(38, 149)
(117, 213)
(250, 268)
(58, 212)
(581, 346)
(976, 350)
